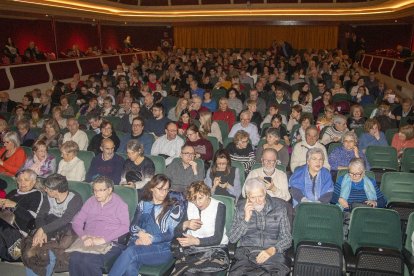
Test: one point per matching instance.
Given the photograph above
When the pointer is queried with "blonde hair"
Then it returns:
(205, 124)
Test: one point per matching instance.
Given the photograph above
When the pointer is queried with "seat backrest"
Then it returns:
(240, 166)
(159, 163)
(115, 121)
(409, 232)
(333, 146)
(27, 150)
(214, 142)
(57, 154)
(407, 160)
(82, 188)
(382, 157)
(224, 128)
(389, 134)
(130, 196)
(318, 222)
(358, 131)
(86, 156)
(374, 227)
(11, 182)
(398, 187)
(230, 207)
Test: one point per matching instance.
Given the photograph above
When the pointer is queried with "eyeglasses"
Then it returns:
(188, 153)
(190, 134)
(356, 174)
(99, 190)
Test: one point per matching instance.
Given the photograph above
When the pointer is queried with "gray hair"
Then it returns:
(314, 151)
(253, 184)
(338, 118)
(32, 175)
(270, 150)
(273, 131)
(350, 134)
(357, 162)
(135, 146)
(109, 183)
(12, 137)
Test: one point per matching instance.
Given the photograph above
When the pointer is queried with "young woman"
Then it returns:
(209, 127)
(273, 141)
(58, 116)
(184, 121)
(174, 113)
(51, 134)
(202, 146)
(152, 229)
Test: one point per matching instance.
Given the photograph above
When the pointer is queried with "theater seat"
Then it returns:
(84, 189)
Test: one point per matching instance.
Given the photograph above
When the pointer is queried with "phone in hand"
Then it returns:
(268, 179)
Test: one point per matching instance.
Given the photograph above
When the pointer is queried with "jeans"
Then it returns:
(86, 264)
(49, 268)
(134, 256)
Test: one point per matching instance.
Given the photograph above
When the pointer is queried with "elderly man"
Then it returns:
(183, 171)
(168, 145)
(95, 122)
(261, 229)
(102, 220)
(245, 118)
(75, 134)
(275, 180)
(261, 103)
(137, 132)
(298, 157)
(27, 136)
(6, 105)
(224, 113)
(312, 182)
(195, 107)
(156, 125)
(106, 163)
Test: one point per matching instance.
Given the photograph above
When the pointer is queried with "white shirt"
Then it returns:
(74, 170)
(80, 138)
(172, 148)
(251, 129)
(298, 157)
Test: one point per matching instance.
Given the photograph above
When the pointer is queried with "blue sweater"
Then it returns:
(111, 168)
(367, 139)
(341, 157)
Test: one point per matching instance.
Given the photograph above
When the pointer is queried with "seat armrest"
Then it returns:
(350, 258)
(408, 260)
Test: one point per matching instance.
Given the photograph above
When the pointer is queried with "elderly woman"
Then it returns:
(42, 163)
(356, 118)
(221, 177)
(52, 222)
(51, 134)
(107, 131)
(334, 133)
(311, 182)
(152, 229)
(138, 169)
(372, 135)
(102, 220)
(203, 224)
(25, 204)
(356, 188)
(202, 146)
(403, 139)
(241, 150)
(12, 156)
(340, 157)
(71, 166)
(273, 141)
(27, 136)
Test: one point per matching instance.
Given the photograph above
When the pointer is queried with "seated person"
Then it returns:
(357, 188)
(273, 141)
(203, 224)
(209, 128)
(372, 135)
(252, 108)
(51, 134)
(71, 166)
(106, 163)
(94, 122)
(184, 121)
(356, 118)
(106, 132)
(12, 156)
(202, 146)
(75, 134)
(222, 177)
(298, 134)
(57, 115)
(102, 220)
(25, 204)
(185, 170)
(137, 132)
(269, 214)
(224, 113)
(138, 169)
(169, 145)
(156, 125)
(294, 117)
(42, 163)
(403, 139)
(127, 119)
(275, 180)
(53, 220)
(276, 122)
(36, 121)
(335, 132)
(298, 157)
(241, 150)
(107, 108)
(311, 182)
(247, 126)
(326, 120)
(340, 157)
(27, 136)
(152, 229)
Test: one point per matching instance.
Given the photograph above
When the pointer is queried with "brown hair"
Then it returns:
(197, 187)
(221, 153)
(241, 134)
(370, 123)
(408, 131)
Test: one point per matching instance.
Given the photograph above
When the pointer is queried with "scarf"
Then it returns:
(347, 184)
(312, 193)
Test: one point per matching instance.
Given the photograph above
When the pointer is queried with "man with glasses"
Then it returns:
(261, 230)
(246, 125)
(169, 145)
(185, 170)
(137, 132)
(275, 180)
(156, 125)
(106, 163)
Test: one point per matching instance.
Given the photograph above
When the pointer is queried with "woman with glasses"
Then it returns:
(203, 147)
(241, 150)
(12, 156)
(107, 131)
(152, 229)
(355, 188)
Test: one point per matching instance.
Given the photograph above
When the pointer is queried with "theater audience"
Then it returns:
(50, 134)
(6, 105)
(373, 136)
(36, 121)
(71, 166)
(57, 115)
(174, 113)
(42, 163)
(156, 125)
(233, 101)
(106, 164)
(222, 177)
(75, 134)
(106, 132)
(209, 127)
(241, 150)
(127, 119)
(169, 145)
(311, 182)
(356, 118)
(335, 132)
(298, 132)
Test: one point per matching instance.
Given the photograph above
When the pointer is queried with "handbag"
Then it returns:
(78, 246)
(8, 216)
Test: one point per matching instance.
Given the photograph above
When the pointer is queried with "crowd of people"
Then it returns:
(256, 126)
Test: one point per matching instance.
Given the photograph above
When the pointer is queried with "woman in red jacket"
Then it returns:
(12, 156)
